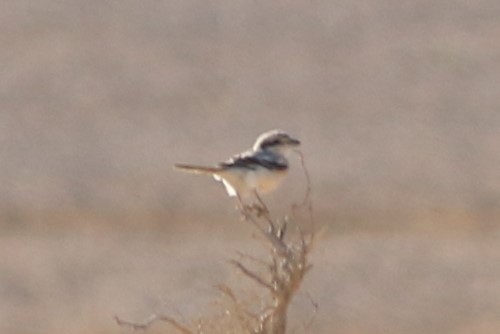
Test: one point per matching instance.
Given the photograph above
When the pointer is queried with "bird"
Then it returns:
(256, 171)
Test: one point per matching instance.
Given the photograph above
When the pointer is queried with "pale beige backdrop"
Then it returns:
(397, 105)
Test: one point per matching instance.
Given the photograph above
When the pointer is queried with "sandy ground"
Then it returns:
(379, 282)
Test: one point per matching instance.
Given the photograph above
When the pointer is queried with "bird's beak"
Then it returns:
(294, 142)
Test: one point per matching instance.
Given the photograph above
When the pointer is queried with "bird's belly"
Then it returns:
(265, 181)
(245, 182)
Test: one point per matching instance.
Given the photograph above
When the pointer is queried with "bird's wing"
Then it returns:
(253, 160)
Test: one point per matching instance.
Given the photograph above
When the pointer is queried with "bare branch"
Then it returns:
(280, 274)
(252, 275)
(151, 320)
(227, 291)
(264, 212)
(277, 243)
(252, 258)
(307, 195)
(135, 326)
(315, 305)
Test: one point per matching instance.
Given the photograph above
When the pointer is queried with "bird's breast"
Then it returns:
(264, 180)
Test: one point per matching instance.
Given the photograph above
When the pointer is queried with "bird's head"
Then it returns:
(276, 140)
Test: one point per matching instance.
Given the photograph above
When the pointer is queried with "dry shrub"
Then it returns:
(278, 275)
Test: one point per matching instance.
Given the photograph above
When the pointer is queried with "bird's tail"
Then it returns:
(197, 169)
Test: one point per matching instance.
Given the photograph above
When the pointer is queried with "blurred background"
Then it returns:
(396, 103)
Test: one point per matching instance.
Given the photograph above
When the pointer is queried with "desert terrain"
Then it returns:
(396, 105)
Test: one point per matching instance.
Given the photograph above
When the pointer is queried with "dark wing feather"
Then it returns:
(249, 161)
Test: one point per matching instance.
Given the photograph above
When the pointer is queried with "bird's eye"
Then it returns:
(271, 143)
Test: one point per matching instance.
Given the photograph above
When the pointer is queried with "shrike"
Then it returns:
(256, 171)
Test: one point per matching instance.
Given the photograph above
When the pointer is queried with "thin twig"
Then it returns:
(252, 275)
(278, 244)
(306, 326)
(307, 202)
(315, 305)
(307, 194)
(241, 312)
(136, 326)
(150, 321)
(227, 291)
(265, 213)
(265, 209)
(252, 258)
